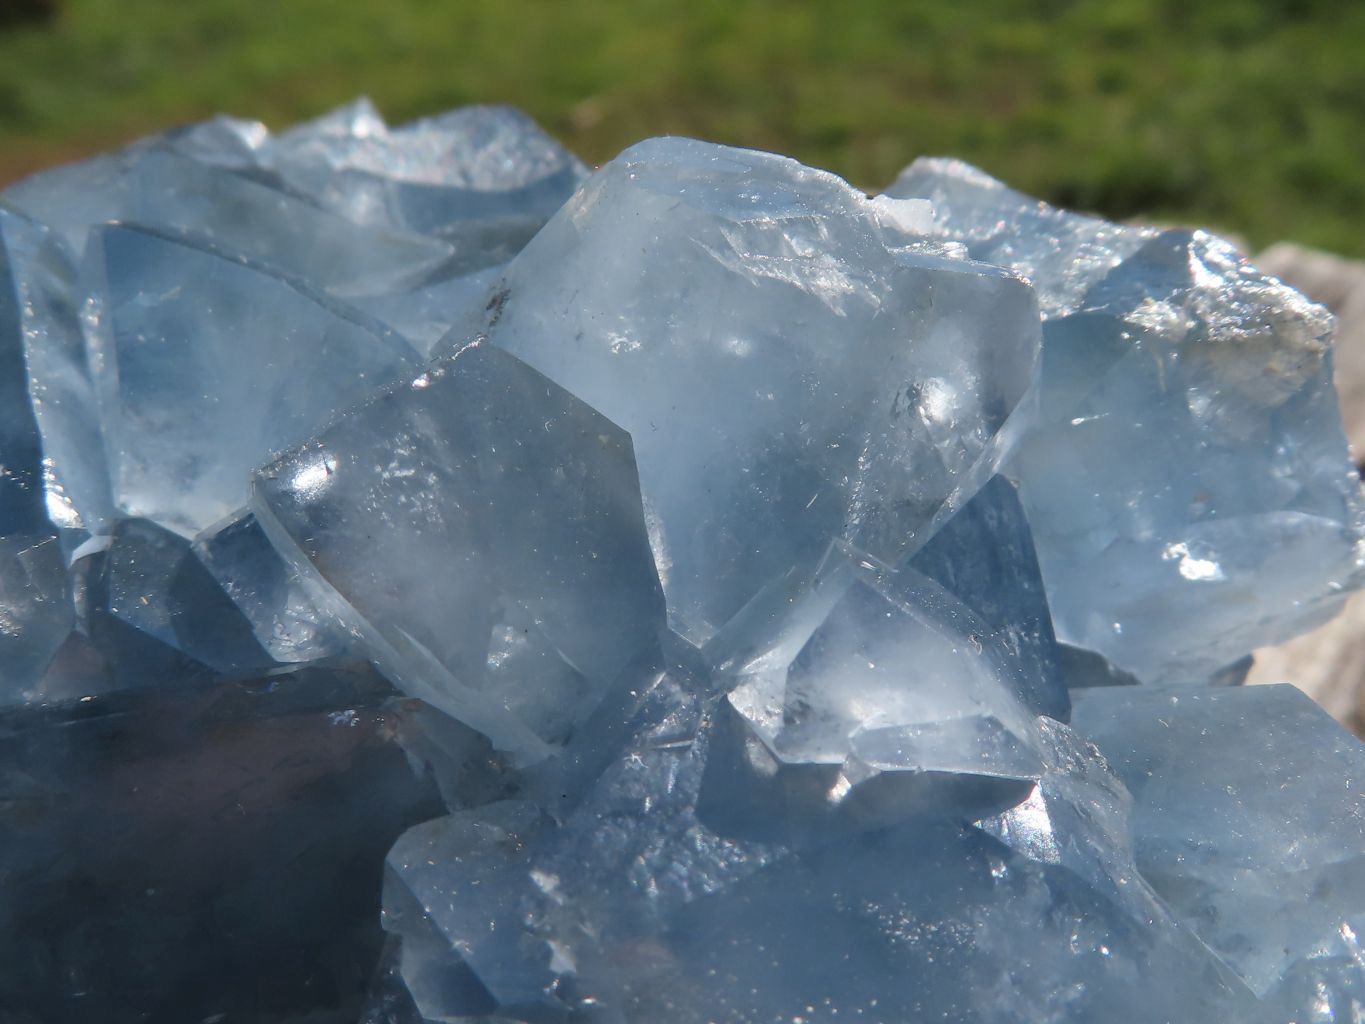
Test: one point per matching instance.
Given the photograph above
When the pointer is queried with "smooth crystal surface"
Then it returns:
(897, 678)
(152, 184)
(207, 366)
(268, 594)
(793, 365)
(1250, 821)
(984, 556)
(524, 496)
(1188, 484)
(639, 902)
(60, 391)
(426, 314)
(440, 584)
(36, 612)
(21, 490)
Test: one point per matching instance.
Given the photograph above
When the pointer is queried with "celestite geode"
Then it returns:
(665, 590)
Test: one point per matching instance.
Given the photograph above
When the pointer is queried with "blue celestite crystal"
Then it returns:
(1060, 252)
(794, 364)
(1250, 821)
(21, 489)
(897, 684)
(271, 597)
(267, 362)
(1188, 483)
(485, 178)
(424, 315)
(61, 392)
(36, 611)
(527, 498)
(663, 590)
(156, 186)
(641, 904)
(984, 556)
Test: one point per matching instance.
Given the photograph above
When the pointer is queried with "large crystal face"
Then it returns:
(525, 497)
(269, 363)
(1187, 483)
(647, 901)
(1250, 822)
(440, 584)
(794, 363)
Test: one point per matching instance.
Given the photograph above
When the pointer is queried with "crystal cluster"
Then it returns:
(441, 584)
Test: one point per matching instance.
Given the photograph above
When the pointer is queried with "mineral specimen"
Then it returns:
(1187, 481)
(438, 584)
(794, 362)
(528, 500)
(645, 905)
(1250, 822)
(270, 361)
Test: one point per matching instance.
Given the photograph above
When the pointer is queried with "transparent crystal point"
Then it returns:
(898, 677)
(56, 369)
(640, 904)
(207, 366)
(1188, 482)
(795, 364)
(527, 501)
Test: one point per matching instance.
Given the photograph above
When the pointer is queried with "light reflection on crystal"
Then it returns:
(723, 544)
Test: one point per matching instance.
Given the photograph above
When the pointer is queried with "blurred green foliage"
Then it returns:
(1248, 115)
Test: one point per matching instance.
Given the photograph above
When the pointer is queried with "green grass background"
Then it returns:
(1246, 115)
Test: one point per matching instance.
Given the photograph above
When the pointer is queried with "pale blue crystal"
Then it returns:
(898, 679)
(208, 365)
(1188, 483)
(1060, 252)
(641, 904)
(126, 606)
(1079, 816)
(267, 592)
(485, 178)
(210, 626)
(278, 229)
(794, 363)
(21, 483)
(56, 369)
(424, 315)
(222, 141)
(151, 183)
(69, 199)
(525, 503)
(36, 612)
(984, 556)
(770, 729)
(1250, 822)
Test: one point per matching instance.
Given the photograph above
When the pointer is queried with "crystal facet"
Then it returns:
(439, 584)
(1188, 482)
(527, 499)
(1250, 821)
(794, 364)
(640, 903)
(269, 361)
